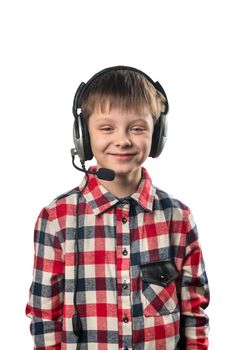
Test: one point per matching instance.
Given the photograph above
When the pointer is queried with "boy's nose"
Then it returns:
(123, 140)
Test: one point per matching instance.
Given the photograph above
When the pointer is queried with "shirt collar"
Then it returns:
(100, 199)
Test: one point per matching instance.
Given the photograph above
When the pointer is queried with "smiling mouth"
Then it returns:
(123, 156)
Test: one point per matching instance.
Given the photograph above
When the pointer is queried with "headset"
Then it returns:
(83, 149)
(81, 136)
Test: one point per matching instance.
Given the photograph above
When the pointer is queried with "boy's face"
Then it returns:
(120, 140)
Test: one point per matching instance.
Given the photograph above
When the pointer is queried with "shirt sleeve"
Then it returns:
(195, 294)
(45, 305)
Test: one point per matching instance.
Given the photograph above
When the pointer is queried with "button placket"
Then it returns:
(126, 303)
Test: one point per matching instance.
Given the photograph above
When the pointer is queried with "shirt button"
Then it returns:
(124, 220)
(125, 286)
(125, 319)
(125, 252)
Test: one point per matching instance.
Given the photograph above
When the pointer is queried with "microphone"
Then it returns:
(102, 173)
(105, 174)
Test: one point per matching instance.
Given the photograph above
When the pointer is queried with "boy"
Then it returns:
(117, 262)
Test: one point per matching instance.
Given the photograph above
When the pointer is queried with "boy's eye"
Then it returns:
(106, 128)
(138, 129)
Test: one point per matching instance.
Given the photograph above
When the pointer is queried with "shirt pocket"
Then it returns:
(159, 294)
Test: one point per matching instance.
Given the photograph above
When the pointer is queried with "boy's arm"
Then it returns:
(45, 305)
(195, 295)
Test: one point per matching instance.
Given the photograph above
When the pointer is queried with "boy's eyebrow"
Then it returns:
(111, 119)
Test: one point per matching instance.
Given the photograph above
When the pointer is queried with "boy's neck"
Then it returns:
(123, 186)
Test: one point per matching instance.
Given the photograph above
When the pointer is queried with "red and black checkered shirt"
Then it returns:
(142, 282)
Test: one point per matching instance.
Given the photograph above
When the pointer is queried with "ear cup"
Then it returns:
(159, 137)
(87, 150)
(81, 139)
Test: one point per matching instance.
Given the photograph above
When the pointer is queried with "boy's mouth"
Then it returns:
(123, 155)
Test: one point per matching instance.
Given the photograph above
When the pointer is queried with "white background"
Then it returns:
(200, 51)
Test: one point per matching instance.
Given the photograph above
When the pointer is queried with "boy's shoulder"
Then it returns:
(167, 200)
(174, 207)
(65, 198)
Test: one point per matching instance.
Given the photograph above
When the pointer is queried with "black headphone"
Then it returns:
(81, 136)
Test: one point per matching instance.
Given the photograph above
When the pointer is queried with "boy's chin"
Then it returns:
(121, 170)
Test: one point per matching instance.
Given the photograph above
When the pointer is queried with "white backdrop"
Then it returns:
(201, 53)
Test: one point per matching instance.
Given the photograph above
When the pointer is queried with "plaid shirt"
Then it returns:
(142, 281)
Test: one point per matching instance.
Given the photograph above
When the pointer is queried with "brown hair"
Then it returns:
(123, 89)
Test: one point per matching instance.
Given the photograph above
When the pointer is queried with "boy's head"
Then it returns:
(120, 108)
(122, 89)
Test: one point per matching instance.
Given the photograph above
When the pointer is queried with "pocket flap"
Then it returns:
(160, 272)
